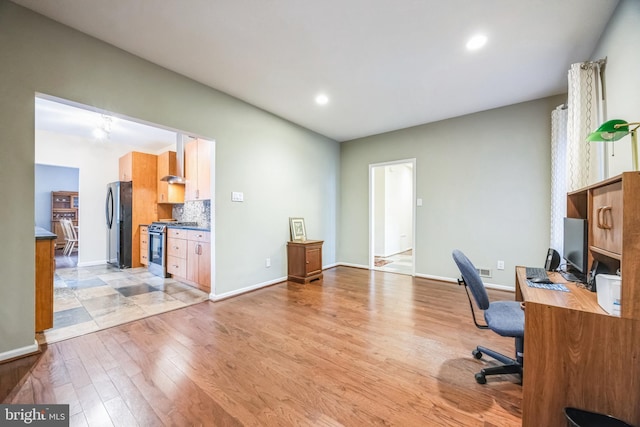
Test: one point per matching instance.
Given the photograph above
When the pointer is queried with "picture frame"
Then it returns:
(298, 230)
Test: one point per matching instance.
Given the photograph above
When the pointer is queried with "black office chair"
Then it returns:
(505, 318)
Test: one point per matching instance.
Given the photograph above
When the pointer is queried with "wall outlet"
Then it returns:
(267, 262)
(500, 265)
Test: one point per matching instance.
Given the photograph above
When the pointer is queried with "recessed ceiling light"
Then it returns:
(476, 42)
(322, 99)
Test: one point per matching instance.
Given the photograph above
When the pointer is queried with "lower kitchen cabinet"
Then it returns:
(144, 245)
(304, 260)
(189, 257)
(177, 252)
(45, 267)
(199, 259)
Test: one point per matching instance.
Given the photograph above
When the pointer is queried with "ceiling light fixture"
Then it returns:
(476, 42)
(322, 99)
(103, 129)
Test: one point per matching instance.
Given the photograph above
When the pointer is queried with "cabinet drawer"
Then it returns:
(177, 233)
(176, 266)
(199, 236)
(144, 229)
(144, 255)
(177, 248)
(606, 218)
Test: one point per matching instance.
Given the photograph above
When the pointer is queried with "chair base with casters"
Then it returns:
(510, 366)
(506, 318)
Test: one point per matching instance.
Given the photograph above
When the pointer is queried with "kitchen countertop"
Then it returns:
(189, 227)
(42, 234)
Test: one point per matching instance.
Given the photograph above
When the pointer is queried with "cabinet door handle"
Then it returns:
(600, 216)
(605, 224)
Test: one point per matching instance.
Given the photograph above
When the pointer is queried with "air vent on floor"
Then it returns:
(484, 272)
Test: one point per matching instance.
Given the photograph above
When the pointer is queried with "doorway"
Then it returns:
(392, 216)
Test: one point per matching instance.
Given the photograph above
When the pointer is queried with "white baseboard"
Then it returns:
(449, 279)
(19, 352)
(347, 264)
(218, 297)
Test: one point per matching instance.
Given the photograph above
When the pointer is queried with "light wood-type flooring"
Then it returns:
(359, 348)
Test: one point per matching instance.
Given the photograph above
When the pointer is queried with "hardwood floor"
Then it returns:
(359, 348)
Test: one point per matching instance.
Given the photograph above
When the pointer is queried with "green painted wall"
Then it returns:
(284, 170)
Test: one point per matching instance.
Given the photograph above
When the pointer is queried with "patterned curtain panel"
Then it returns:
(584, 115)
(559, 118)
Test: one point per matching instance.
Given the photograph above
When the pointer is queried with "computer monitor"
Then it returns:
(575, 244)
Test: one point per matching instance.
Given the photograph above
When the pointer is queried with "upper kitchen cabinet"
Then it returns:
(169, 193)
(197, 155)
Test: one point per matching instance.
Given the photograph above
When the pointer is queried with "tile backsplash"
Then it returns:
(197, 211)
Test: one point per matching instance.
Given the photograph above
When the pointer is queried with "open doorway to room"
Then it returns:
(57, 200)
(392, 216)
(88, 293)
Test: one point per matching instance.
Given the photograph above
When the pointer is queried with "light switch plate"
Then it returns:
(237, 196)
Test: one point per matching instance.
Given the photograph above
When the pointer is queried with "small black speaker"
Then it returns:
(553, 260)
(596, 268)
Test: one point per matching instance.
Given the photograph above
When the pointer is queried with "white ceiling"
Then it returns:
(384, 64)
(62, 117)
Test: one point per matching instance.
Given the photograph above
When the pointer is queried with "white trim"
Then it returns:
(348, 264)
(19, 352)
(371, 206)
(212, 219)
(449, 279)
(237, 292)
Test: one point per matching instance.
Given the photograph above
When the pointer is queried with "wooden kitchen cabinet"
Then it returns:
(144, 245)
(189, 256)
(177, 252)
(197, 159)
(141, 169)
(169, 193)
(45, 267)
(199, 259)
(304, 260)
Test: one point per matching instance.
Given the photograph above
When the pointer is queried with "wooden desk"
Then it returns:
(576, 355)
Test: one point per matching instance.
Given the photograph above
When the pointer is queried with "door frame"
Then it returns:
(372, 166)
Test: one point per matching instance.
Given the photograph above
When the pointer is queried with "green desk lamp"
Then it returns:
(614, 130)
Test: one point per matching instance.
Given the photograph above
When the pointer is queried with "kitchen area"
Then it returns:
(173, 238)
(157, 221)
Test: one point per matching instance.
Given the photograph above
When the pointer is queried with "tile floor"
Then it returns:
(88, 299)
(400, 263)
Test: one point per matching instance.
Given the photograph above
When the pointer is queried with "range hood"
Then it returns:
(179, 177)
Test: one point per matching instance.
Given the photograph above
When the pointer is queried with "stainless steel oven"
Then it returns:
(158, 245)
(157, 249)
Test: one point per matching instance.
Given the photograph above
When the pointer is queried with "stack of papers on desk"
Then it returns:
(550, 286)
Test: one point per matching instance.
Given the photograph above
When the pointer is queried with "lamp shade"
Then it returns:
(612, 130)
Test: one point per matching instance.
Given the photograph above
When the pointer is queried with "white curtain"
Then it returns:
(558, 175)
(584, 116)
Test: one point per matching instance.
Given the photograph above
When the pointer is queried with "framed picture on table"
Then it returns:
(298, 231)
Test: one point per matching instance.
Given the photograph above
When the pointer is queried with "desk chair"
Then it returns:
(505, 318)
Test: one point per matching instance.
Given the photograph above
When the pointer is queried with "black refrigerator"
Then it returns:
(118, 216)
